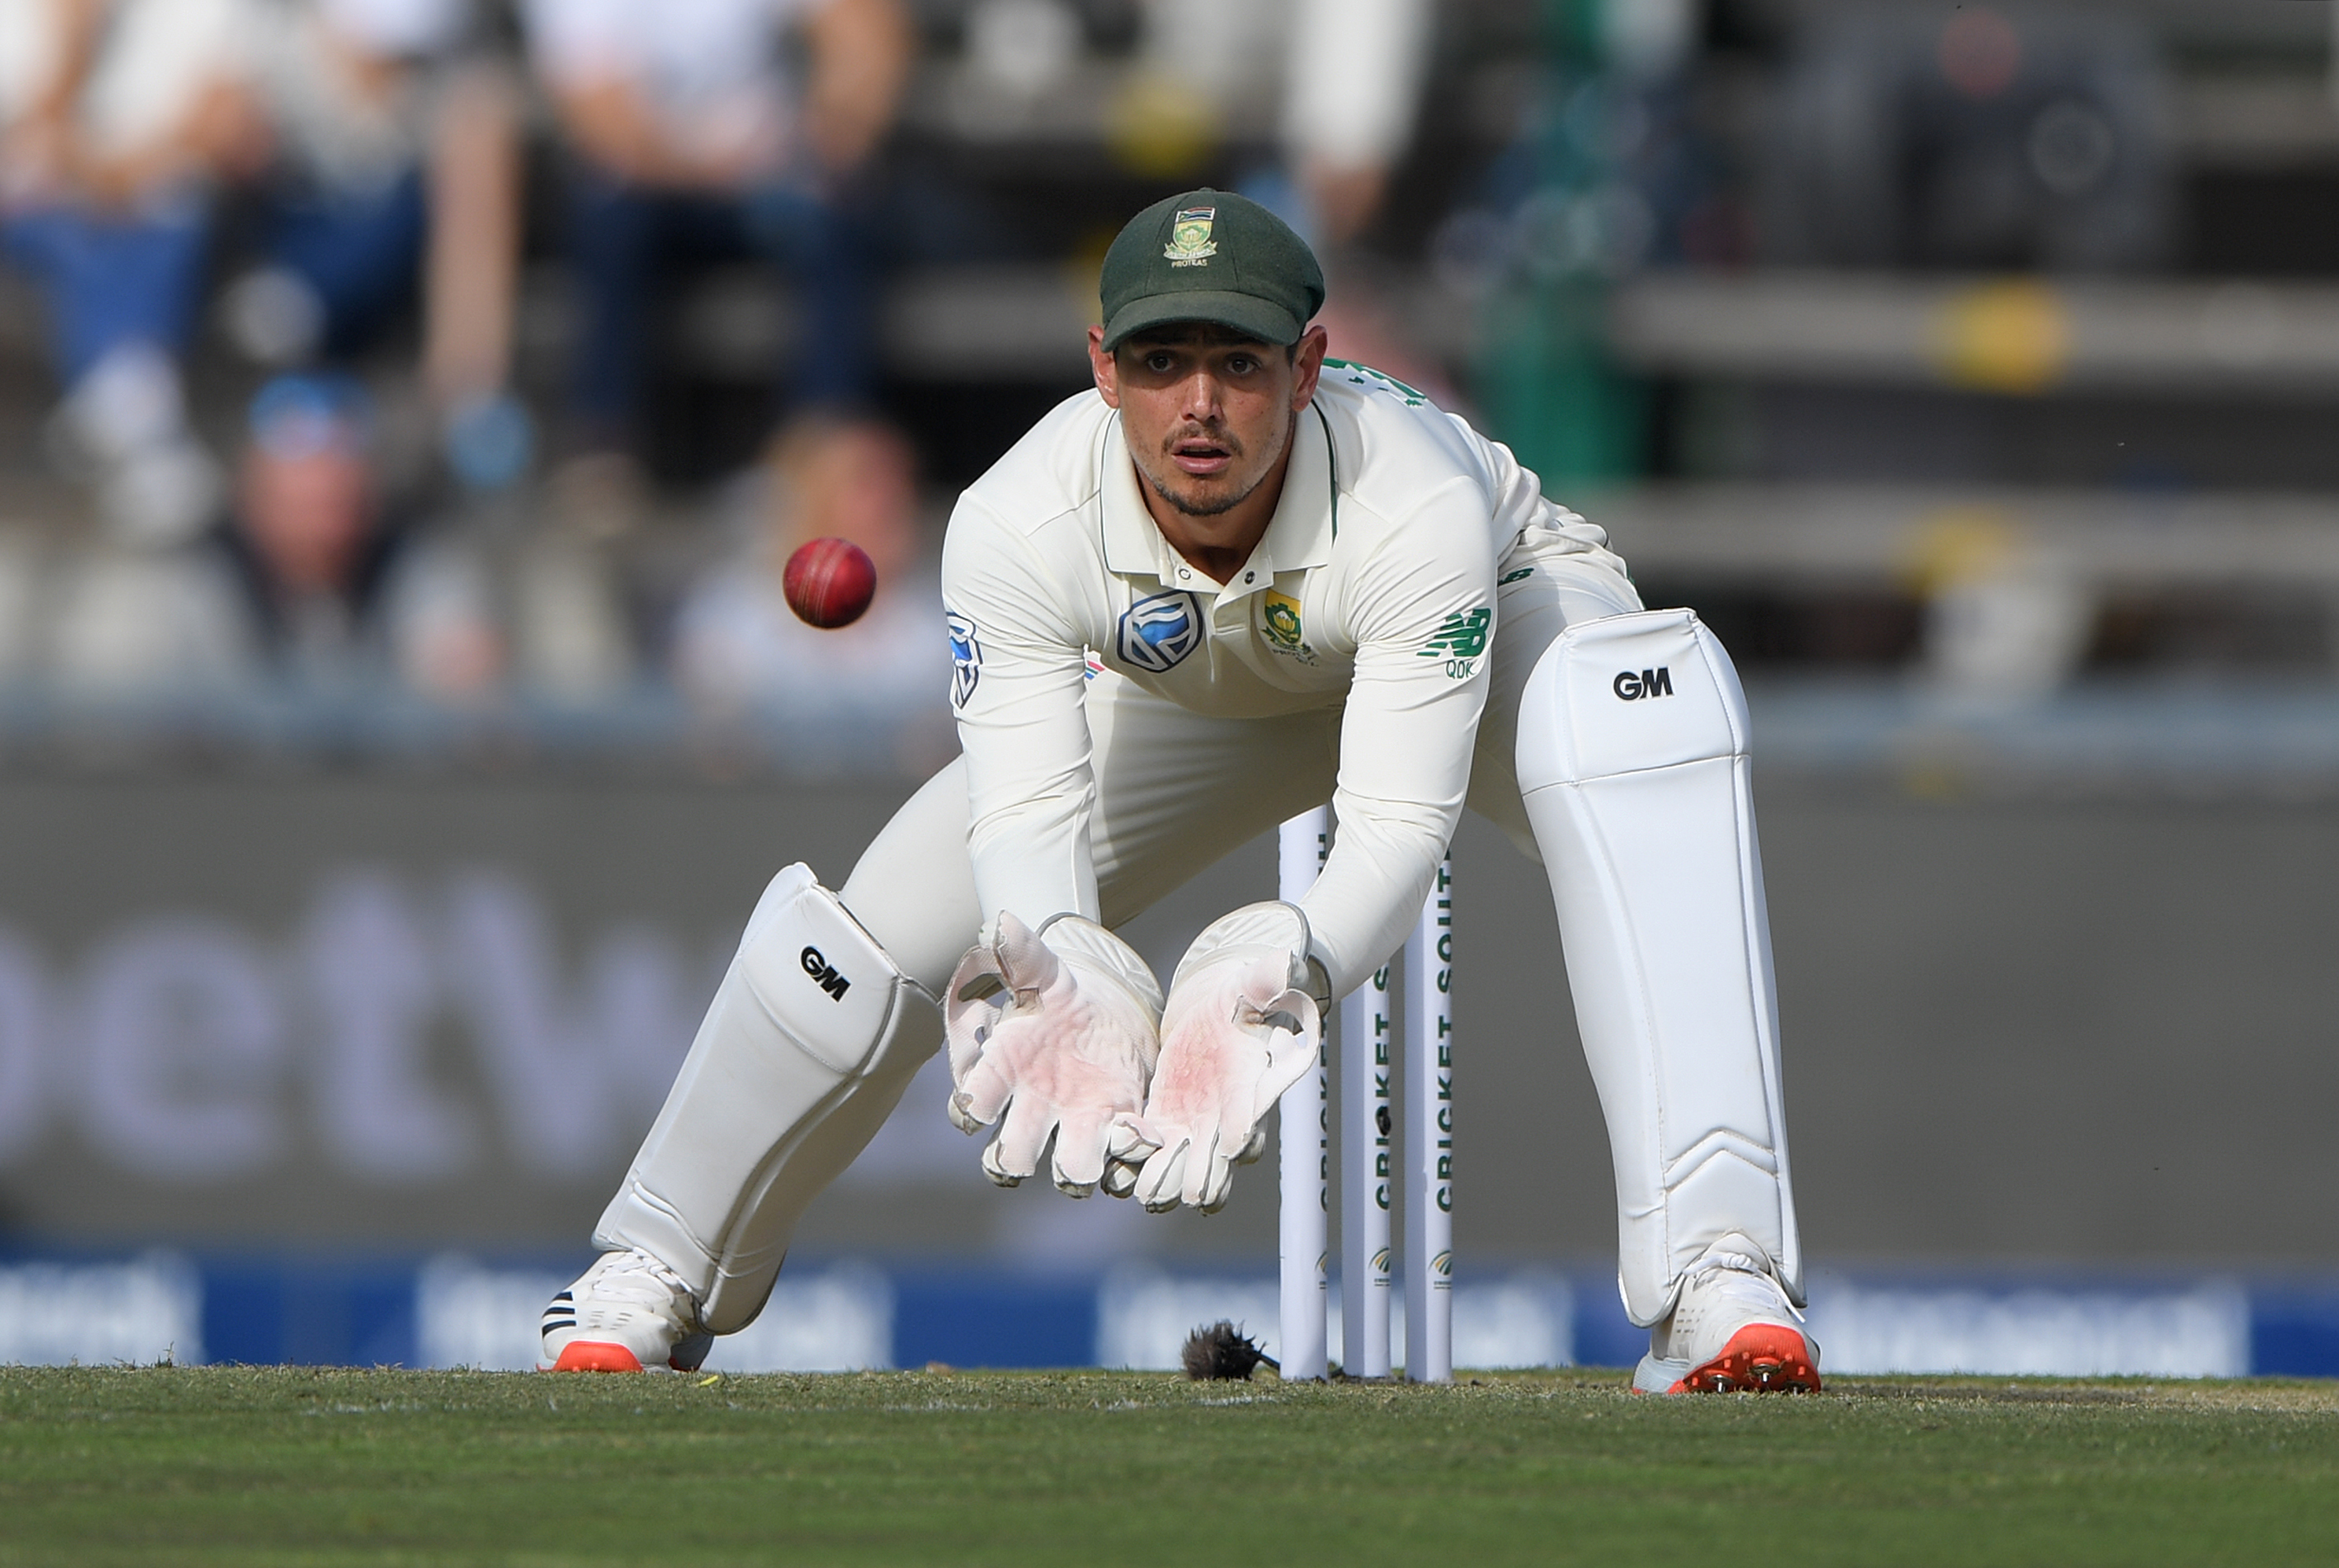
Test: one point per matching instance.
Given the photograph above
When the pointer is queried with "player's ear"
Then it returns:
(1306, 364)
(1105, 368)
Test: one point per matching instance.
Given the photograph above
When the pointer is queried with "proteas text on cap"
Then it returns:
(1210, 256)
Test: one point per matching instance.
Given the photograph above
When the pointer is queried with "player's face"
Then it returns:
(1207, 413)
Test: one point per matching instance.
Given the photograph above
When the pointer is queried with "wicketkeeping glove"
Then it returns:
(1240, 1029)
(1059, 1030)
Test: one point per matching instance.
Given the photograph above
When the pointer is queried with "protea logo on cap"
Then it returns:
(1191, 244)
(1158, 270)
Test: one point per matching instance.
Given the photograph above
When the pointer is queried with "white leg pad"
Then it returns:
(1633, 765)
(811, 1039)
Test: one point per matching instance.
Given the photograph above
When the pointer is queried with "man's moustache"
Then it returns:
(1215, 438)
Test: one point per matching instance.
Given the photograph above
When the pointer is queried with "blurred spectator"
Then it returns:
(317, 581)
(739, 649)
(1352, 85)
(339, 586)
(396, 159)
(1348, 73)
(1352, 75)
(693, 145)
(570, 641)
(118, 113)
(146, 623)
(308, 541)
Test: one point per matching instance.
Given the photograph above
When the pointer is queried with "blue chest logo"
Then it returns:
(1158, 632)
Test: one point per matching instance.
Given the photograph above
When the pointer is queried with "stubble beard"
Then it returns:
(1217, 505)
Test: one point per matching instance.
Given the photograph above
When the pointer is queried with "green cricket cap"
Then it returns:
(1210, 256)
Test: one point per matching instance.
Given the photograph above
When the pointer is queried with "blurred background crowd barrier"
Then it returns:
(406, 405)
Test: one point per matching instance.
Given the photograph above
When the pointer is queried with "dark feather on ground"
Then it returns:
(1222, 1351)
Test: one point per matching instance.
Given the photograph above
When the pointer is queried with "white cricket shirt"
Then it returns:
(1373, 589)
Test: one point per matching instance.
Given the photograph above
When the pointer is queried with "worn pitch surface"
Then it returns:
(324, 1466)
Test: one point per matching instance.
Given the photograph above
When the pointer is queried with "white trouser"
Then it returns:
(1178, 791)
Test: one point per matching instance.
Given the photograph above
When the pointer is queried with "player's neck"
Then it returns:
(1218, 545)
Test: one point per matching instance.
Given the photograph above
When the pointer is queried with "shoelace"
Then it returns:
(1739, 1262)
(641, 1279)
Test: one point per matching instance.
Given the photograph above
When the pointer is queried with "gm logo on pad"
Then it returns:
(1655, 683)
(823, 974)
(1158, 632)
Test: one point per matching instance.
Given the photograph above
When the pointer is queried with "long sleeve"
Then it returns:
(1422, 609)
(1018, 685)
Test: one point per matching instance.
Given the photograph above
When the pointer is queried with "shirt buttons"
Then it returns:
(1251, 577)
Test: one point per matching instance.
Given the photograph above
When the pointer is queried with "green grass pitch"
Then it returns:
(270, 1467)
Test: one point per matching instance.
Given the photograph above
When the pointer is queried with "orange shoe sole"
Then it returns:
(597, 1355)
(1761, 1358)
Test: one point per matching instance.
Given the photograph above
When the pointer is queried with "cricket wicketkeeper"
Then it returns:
(1237, 579)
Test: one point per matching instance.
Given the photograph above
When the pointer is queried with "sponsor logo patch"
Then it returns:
(1374, 381)
(1191, 244)
(823, 974)
(1460, 640)
(1158, 632)
(1631, 687)
(966, 657)
(1463, 636)
(1522, 575)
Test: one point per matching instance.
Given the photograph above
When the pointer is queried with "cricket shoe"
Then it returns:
(626, 1311)
(1732, 1330)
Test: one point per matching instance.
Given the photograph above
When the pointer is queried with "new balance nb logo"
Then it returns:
(823, 974)
(1462, 636)
(1460, 640)
(1655, 683)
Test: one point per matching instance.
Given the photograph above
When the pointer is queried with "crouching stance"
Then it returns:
(1234, 579)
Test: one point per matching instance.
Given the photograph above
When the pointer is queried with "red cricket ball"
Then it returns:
(829, 582)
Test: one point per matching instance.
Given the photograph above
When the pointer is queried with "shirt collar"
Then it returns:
(1133, 546)
(1300, 535)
